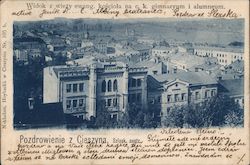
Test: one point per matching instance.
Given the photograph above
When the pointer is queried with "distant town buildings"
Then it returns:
(225, 56)
(90, 69)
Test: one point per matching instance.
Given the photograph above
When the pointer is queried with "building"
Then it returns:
(233, 88)
(236, 66)
(27, 43)
(144, 50)
(182, 88)
(21, 55)
(101, 44)
(225, 56)
(186, 61)
(84, 89)
(153, 65)
(161, 51)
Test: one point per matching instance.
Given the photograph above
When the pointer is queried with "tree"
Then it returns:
(150, 121)
(174, 117)
(103, 119)
(123, 120)
(218, 111)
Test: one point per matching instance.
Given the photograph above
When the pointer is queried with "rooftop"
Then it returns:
(140, 47)
(237, 65)
(234, 87)
(161, 48)
(223, 49)
(187, 59)
(28, 39)
(193, 78)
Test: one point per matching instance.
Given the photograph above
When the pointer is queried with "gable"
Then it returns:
(176, 85)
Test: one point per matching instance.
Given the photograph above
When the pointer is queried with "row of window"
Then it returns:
(75, 103)
(160, 52)
(111, 102)
(217, 55)
(177, 97)
(183, 96)
(76, 87)
(134, 82)
(135, 98)
(222, 60)
(208, 94)
(107, 87)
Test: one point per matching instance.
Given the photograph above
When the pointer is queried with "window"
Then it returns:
(109, 102)
(115, 86)
(138, 82)
(133, 82)
(109, 86)
(213, 92)
(115, 102)
(206, 93)
(103, 86)
(176, 97)
(197, 95)
(138, 97)
(169, 98)
(74, 87)
(74, 103)
(183, 96)
(68, 103)
(81, 87)
(80, 102)
(68, 88)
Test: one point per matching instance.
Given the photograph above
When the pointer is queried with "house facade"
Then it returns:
(225, 56)
(85, 89)
(177, 89)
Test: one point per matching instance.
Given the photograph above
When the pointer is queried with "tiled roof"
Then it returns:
(233, 87)
(193, 78)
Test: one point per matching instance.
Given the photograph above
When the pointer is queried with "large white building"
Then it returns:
(83, 90)
(225, 56)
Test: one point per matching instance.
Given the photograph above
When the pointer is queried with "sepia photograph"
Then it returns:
(128, 73)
